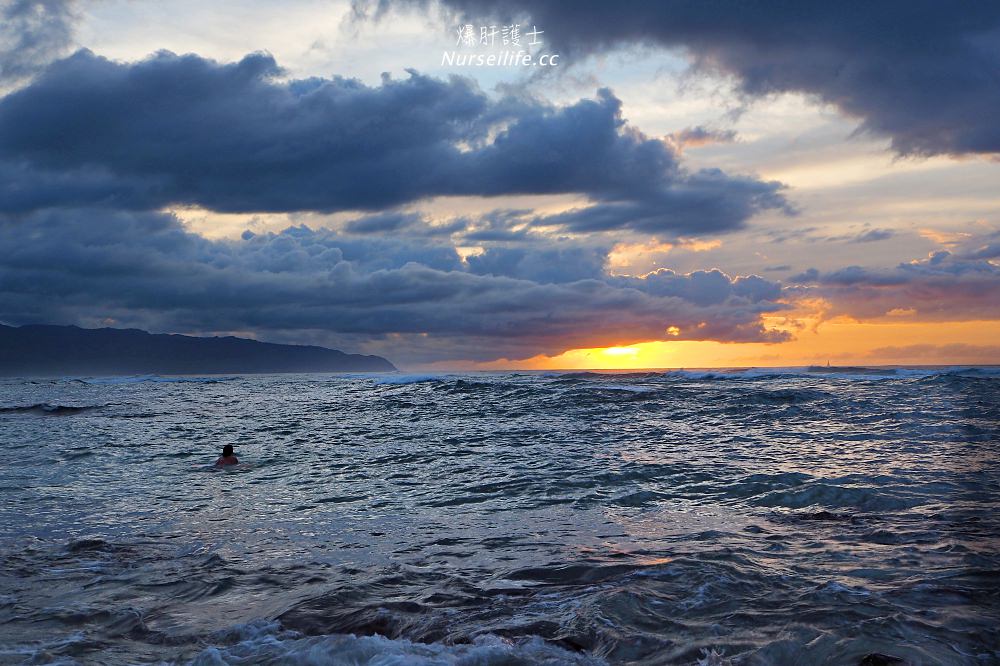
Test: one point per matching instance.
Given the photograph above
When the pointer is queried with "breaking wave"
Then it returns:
(267, 643)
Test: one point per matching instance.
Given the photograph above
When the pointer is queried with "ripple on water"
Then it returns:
(752, 517)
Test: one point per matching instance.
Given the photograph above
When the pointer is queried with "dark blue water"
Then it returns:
(746, 518)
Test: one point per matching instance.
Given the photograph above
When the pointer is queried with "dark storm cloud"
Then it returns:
(32, 34)
(708, 195)
(382, 223)
(413, 226)
(552, 263)
(922, 72)
(232, 137)
(503, 224)
(411, 301)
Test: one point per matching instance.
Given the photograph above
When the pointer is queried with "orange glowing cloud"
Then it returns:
(640, 258)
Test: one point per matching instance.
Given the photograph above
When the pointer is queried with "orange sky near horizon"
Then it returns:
(839, 341)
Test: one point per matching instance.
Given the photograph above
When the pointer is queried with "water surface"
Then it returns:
(752, 517)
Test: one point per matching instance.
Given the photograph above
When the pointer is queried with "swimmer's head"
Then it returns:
(227, 450)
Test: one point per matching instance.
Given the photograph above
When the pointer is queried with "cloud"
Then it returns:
(921, 74)
(502, 224)
(33, 33)
(808, 276)
(867, 236)
(183, 130)
(693, 137)
(873, 235)
(383, 223)
(711, 287)
(410, 299)
(705, 202)
(91, 150)
(556, 262)
(942, 287)
(986, 246)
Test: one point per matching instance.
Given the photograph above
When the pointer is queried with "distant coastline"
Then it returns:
(45, 350)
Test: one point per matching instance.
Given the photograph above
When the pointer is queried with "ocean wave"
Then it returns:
(991, 371)
(586, 374)
(550, 514)
(46, 409)
(629, 388)
(593, 374)
(856, 373)
(849, 370)
(268, 643)
(744, 373)
(48, 652)
(141, 379)
(868, 499)
(762, 483)
(407, 379)
(596, 394)
(469, 386)
(965, 373)
(784, 396)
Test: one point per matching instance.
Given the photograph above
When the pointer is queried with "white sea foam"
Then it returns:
(266, 642)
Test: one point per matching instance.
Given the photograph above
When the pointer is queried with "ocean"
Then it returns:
(796, 516)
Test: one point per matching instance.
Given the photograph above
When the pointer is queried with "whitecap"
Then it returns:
(267, 642)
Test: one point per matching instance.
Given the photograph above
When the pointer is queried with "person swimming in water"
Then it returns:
(227, 457)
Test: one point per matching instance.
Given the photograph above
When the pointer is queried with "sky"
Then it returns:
(626, 185)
